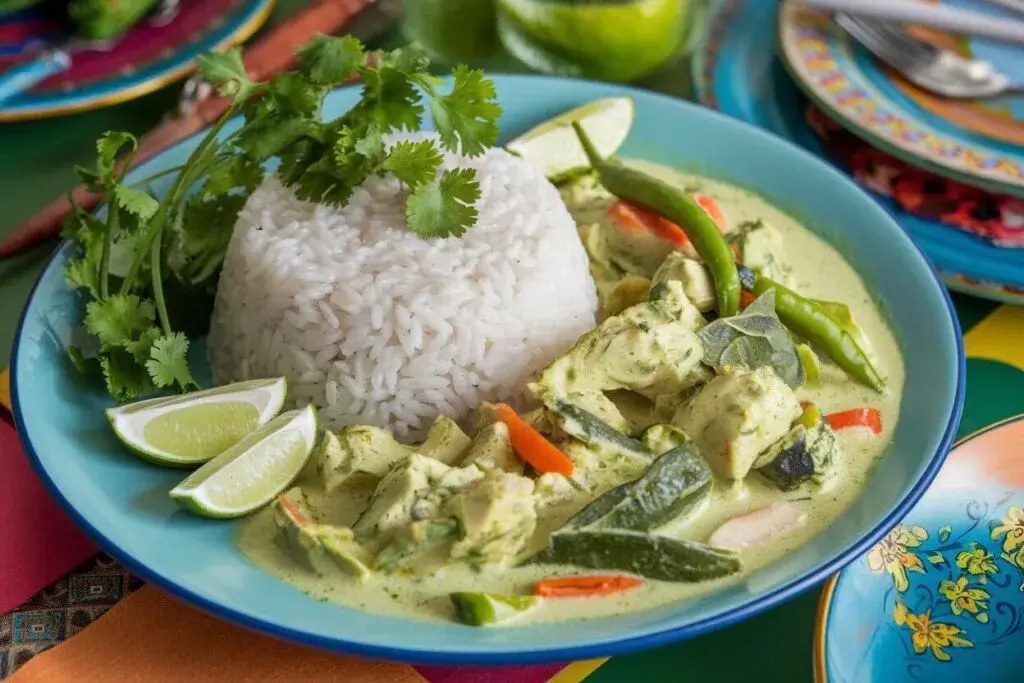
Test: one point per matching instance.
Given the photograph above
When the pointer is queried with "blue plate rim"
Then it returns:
(823, 617)
(791, 589)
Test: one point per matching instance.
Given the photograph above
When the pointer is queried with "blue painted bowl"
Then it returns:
(941, 597)
(123, 502)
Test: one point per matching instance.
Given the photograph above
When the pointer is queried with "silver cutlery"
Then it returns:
(940, 71)
(934, 16)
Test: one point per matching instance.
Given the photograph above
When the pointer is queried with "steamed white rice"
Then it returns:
(375, 325)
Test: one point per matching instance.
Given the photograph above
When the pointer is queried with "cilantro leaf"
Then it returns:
(411, 60)
(444, 206)
(226, 72)
(135, 201)
(118, 319)
(90, 178)
(294, 94)
(125, 378)
(390, 99)
(202, 241)
(107, 149)
(168, 362)
(414, 163)
(81, 273)
(467, 117)
(327, 60)
(270, 135)
(140, 348)
(233, 171)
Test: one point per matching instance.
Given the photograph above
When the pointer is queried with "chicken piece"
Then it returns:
(736, 416)
(497, 516)
(491, 450)
(322, 548)
(695, 276)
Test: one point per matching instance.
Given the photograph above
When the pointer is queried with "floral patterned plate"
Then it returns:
(941, 597)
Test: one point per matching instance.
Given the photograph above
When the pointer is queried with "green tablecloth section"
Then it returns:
(36, 160)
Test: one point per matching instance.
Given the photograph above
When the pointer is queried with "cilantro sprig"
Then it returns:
(147, 265)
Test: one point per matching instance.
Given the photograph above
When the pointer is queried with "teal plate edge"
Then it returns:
(451, 644)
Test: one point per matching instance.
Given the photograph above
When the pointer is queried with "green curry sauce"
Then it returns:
(638, 368)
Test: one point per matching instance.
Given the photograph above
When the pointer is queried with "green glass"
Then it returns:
(452, 31)
(612, 40)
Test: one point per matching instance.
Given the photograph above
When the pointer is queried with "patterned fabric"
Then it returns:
(61, 610)
(995, 217)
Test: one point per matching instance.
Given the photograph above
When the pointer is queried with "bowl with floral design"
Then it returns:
(941, 596)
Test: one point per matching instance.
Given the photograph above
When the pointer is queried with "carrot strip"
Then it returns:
(858, 417)
(638, 219)
(746, 298)
(713, 209)
(585, 586)
(292, 509)
(531, 446)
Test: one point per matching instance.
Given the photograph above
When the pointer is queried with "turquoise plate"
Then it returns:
(941, 597)
(123, 502)
(733, 76)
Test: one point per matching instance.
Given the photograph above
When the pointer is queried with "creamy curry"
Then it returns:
(702, 448)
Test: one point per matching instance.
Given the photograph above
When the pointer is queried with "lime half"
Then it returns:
(251, 473)
(190, 429)
(554, 148)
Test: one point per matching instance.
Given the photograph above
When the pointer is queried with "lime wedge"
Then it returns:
(554, 148)
(190, 429)
(251, 473)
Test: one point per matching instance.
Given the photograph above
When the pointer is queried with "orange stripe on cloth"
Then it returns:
(5, 389)
(152, 638)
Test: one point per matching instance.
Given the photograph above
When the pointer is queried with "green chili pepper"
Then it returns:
(666, 200)
(809, 320)
(480, 609)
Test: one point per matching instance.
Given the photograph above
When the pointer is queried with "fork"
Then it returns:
(940, 71)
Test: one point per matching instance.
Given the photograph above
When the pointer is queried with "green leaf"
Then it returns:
(168, 362)
(936, 558)
(125, 379)
(327, 60)
(82, 273)
(944, 533)
(231, 172)
(753, 338)
(294, 94)
(389, 99)
(140, 348)
(81, 363)
(226, 72)
(410, 59)
(200, 245)
(444, 206)
(467, 117)
(414, 163)
(90, 178)
(271, 135)
(118, 319)
(107, 149)
(136, 202)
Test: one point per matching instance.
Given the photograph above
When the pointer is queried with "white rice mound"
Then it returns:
(375, 325)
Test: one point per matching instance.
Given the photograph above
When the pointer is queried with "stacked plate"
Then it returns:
(951, 171)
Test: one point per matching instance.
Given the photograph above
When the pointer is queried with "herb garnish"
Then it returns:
(148, 255)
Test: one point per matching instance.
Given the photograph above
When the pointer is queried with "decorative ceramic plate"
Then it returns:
(733, 76)
(848, 83)
(123, 502)
(145, 59)
(941, 597)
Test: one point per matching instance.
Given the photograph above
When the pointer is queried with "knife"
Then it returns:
(264, 57)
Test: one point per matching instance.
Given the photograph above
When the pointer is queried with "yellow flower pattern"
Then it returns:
(1011, 530)
(930, 635)
(963, 598)
(893, 554)
(977, 561)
